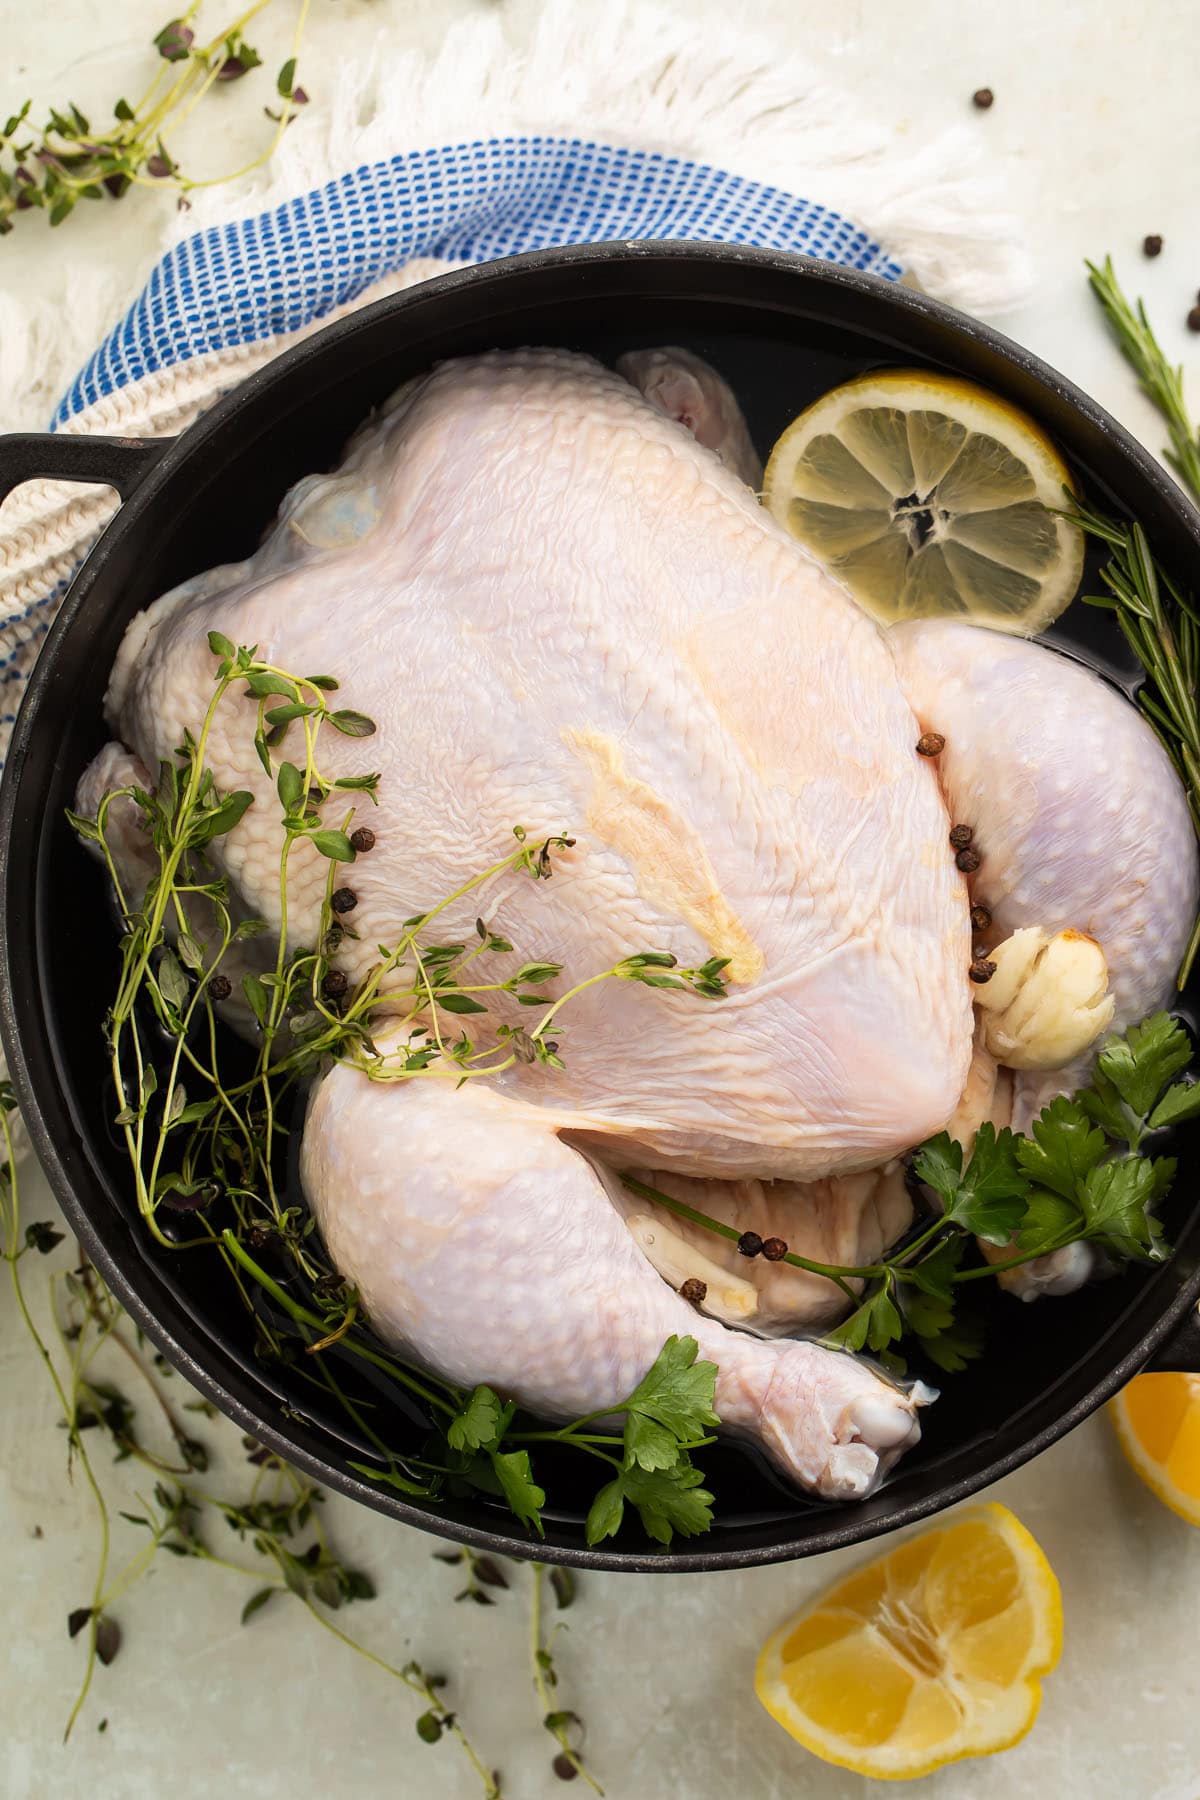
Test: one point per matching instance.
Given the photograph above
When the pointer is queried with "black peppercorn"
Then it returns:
(1152, 245)
(219, 987)
(1193, 319)
(774, 1249)
(344, 900)
(693, 1290)
(750, 1244)
(930, 743)
(981, 918)
(981, 970)
(363, 839)
(335, 984)
(960, 836)
(982, 98)
(968, 861)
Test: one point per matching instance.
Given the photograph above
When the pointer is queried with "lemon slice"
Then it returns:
(1158, 1424)
(932, 1653)
(928, 497)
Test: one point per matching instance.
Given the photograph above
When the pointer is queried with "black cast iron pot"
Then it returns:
(783, 330)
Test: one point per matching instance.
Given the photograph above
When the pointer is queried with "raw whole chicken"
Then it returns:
(564, 608)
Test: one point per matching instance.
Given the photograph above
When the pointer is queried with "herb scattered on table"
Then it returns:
(276, 1519)
(52, 167)
(565, 1726)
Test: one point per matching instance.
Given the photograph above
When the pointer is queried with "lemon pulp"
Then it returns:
(932, 1653)
(929, 497)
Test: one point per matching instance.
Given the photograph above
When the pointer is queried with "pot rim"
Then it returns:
(221, 418)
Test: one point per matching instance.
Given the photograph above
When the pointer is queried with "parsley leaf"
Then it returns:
(1115, 1199)
(990, 1201)
(935, 1272)
(1105, 1107)
(874, 1324)
(1048, 1219)
(1178, 1103)
(649, 1445)
(667, 1501)
(956, 1346)
(515, 1476)
(1064, 1149)
(1143, 1062)
(481, 1423)
(677, 1392)
(938, 1163)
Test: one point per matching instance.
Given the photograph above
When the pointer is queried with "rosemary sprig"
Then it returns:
(53, 167)
(1162, 627)
(1161, 381)
(1160, 623)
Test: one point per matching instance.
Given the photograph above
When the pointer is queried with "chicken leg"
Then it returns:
(487, 1248)
(1081, 824)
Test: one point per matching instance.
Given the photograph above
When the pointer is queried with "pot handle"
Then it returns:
(1180, 1354)
(119, 463)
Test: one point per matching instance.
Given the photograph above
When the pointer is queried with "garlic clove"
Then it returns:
(729, 1297)
(1048, 999)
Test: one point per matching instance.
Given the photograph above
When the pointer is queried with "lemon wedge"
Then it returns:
(932, 1653)
(928, 497)
(1158, 1424)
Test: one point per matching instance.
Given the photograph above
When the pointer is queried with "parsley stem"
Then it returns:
(834, 1272)
(1014, 1262)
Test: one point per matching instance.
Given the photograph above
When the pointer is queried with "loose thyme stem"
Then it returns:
(12, 1255)
(545, 1699)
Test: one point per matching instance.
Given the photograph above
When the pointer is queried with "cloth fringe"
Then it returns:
(629, 74)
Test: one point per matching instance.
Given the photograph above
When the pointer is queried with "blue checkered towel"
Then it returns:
(261, 277)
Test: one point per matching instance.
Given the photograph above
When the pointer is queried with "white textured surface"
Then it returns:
(1097, 105)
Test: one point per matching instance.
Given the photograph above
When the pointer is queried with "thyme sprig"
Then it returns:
(277, 1519)
(52, 167)
(564, 1725)
(484, 1576)
(206, 1149)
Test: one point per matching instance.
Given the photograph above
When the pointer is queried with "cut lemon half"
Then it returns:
(928, 497)
(1158, 1424)
(932, 1653)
